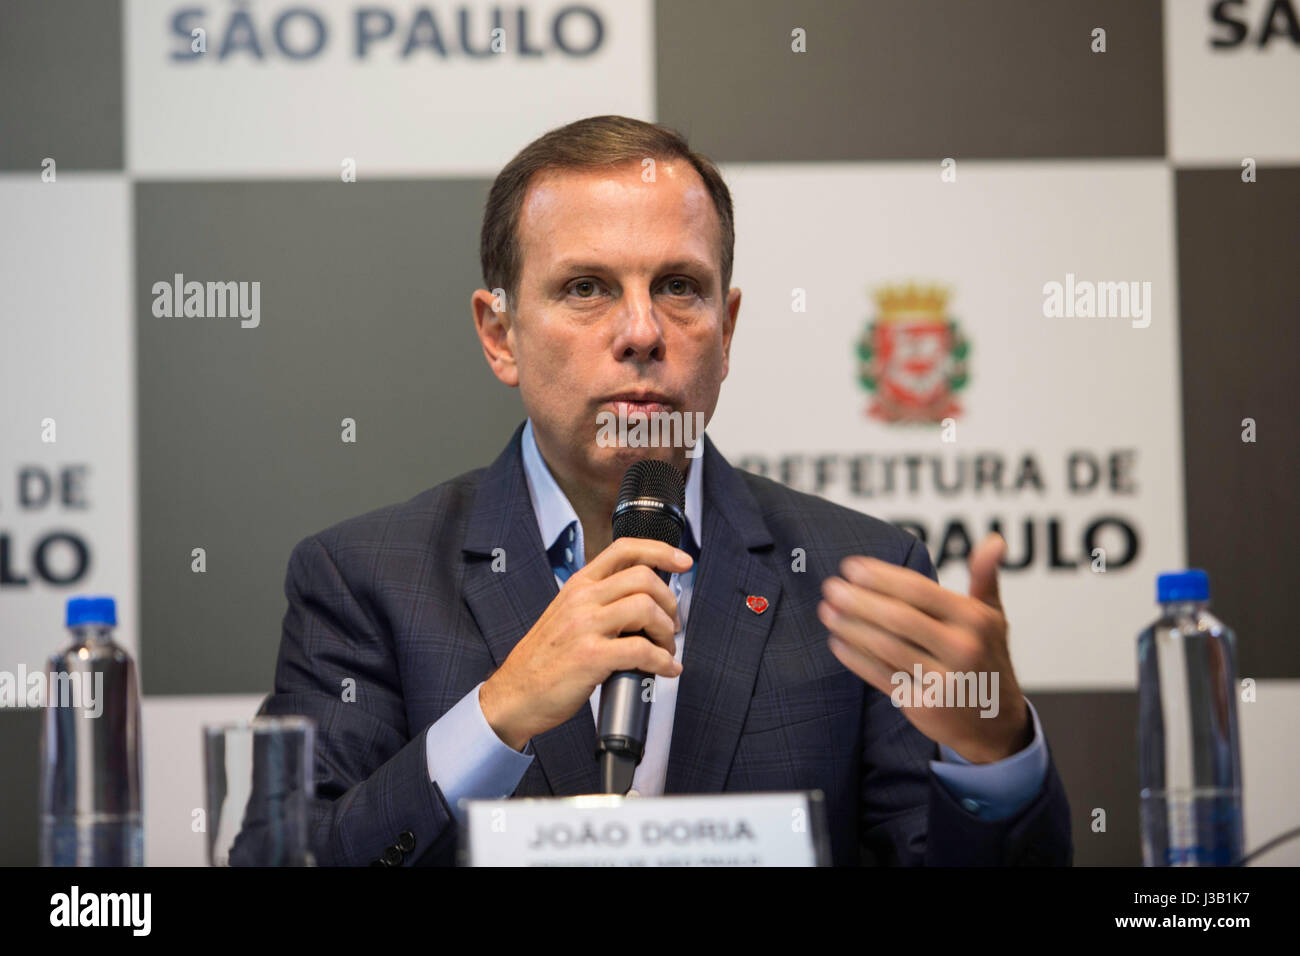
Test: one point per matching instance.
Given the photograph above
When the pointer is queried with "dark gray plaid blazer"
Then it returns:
(403, 601)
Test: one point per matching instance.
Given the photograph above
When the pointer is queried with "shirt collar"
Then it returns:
(555, 514)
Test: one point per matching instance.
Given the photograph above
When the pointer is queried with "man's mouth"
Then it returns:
(645, 403)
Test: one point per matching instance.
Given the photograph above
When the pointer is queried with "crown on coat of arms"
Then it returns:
(910, 301)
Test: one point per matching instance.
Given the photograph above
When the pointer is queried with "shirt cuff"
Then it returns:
(998, 790)
(467, 759)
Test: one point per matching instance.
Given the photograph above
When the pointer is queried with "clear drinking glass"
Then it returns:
(260, 788)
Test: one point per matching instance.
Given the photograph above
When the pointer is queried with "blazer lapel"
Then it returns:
(505, 604)
(724, 636)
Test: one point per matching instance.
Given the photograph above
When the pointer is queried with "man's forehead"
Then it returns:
(615, 180)
(568, 207)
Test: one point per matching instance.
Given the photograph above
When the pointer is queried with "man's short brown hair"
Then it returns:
(586, 144)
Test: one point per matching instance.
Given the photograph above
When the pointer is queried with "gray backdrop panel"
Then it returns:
(364, 314)
(911, 79)
(20, 755)
(61, 84)
(1239, 338)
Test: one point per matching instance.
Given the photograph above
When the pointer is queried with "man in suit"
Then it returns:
(454, 646)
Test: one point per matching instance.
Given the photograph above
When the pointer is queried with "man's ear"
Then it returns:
(495, 332)
(729, 315)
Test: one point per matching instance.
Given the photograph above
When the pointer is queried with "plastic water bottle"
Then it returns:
(1189, 760)
(90, 746)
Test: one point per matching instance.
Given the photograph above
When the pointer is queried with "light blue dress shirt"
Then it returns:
(469, 761)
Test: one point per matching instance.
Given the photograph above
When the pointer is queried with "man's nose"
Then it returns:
(640, 335)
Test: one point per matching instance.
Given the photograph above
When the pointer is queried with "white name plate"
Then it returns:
(729, 829)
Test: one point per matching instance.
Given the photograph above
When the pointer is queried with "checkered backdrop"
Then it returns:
(944, 162)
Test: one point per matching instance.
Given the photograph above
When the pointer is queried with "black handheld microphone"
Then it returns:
(651, 504)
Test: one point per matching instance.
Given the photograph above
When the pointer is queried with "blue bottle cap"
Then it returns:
(1190, 585)
(92, 610)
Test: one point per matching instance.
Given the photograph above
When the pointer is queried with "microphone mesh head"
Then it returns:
(660, 481)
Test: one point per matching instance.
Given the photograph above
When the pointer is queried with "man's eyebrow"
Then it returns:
(689, 264)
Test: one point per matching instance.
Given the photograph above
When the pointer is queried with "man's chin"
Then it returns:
(616, 460)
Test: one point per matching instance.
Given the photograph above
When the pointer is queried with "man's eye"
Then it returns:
(679, 286)
(583, 284)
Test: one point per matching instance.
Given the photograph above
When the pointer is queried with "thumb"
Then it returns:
(984, 569)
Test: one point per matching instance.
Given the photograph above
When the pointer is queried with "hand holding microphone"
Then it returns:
(652, 506)
(557, 665)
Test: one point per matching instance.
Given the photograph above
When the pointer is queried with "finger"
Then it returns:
(638, 579)
(626, 552)
(893, 616)
(983, 563)
(891, 650)
(637, 654)
(639, 614)
(910, 587)
(870, 668)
